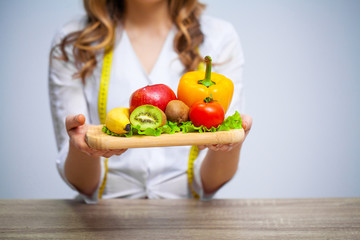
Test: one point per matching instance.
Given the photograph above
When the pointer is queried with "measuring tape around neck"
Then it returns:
(104, 84)
(102, 104)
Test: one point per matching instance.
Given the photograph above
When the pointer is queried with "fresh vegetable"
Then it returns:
(196, 85)
(208, 113)
(158, 95)
(177, 111)
(231, 122)
(117, 120)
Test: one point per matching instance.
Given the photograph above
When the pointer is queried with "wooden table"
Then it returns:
(181, 219)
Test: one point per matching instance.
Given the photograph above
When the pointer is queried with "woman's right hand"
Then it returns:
(76, 129)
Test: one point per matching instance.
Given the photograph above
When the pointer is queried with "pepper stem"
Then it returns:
(207, 80)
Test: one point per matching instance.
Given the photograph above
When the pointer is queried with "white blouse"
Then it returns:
(141, 172)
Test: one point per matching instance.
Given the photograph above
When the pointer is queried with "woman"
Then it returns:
(152, 41)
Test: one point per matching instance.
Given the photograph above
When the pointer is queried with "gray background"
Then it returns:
(302, 80)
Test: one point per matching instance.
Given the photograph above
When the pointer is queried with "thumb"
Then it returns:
(246, 123)
(74, 121)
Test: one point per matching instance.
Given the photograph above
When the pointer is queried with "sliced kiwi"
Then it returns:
(148, 116)
(177, 111)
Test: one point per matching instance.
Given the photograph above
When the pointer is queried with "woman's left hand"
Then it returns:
(246, 124)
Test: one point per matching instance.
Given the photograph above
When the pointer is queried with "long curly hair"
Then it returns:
(99, 33)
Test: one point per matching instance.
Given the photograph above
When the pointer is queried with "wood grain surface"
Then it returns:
(99, 140)
(181, 219)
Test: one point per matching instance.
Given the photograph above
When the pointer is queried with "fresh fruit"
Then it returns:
(148, 116)
(118, 120)
(196, 85)
(208, 113)
(177, 111)
(158, 95)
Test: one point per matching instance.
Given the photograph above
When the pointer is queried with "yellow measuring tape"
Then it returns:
(102, 103)
(194, 152)
(104, 84)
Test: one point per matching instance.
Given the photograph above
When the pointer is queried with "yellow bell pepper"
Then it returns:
(197, 85)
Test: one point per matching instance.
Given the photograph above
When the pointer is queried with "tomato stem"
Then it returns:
(207, 80)
(209, 99)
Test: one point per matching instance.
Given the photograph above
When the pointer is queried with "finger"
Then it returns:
(213, 147)
(118, 151)
(201, 147)
(221, 147)
(107, 154)
(78, 140)
(246, 123)
(224, 148)
(110, 153)
(100, 153)
(82, 146)
(81, 119)
(73, 121)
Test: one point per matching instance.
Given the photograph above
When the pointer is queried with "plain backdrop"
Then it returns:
(302, 79)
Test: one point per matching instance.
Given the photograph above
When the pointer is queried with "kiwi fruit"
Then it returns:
(148, 116)
(177, 111)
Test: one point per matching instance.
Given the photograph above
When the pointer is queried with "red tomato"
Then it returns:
(208, 114)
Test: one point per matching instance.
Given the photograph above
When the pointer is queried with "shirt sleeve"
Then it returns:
(226, 48)
(66, 98)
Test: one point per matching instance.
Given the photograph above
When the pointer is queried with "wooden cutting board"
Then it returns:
(99, 140)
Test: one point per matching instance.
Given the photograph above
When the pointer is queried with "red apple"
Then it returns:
(158, 95)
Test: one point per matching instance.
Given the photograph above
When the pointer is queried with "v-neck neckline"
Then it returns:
(159, 57)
